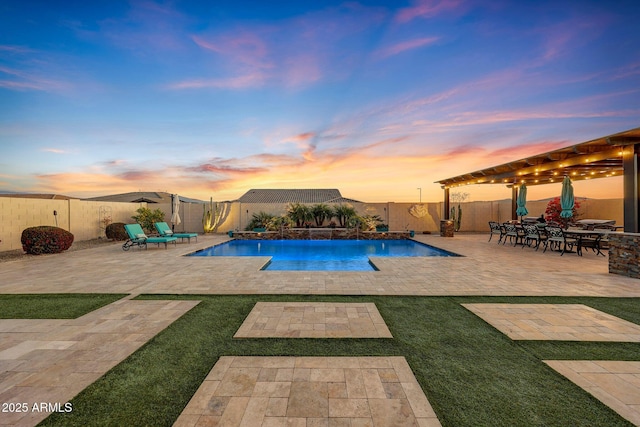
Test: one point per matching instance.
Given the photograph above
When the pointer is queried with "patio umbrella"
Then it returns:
(566, 198)
(522, 202)
(175, 216)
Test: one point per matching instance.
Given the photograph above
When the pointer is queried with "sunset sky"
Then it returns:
(375, 98)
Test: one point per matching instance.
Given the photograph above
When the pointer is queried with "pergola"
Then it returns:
(613, 155)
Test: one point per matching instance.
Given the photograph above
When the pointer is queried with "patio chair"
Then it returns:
(532, 235)
(558, 239)
(496, 228)
(139, 239)
(165, 231)
(592, 243)
(513, 232)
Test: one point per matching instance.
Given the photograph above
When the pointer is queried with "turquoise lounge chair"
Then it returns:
(165, 231)
(138, 238)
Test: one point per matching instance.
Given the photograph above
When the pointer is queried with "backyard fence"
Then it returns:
(87, 219)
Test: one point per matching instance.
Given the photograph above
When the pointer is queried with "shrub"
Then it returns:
(45, 240)
(552, 213)
(146, 217)
(116, 231)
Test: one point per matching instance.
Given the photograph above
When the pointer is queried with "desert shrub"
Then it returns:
(45, 240)
(146, 217)
(116, 231)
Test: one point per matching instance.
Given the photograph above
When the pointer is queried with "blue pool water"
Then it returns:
(332, 255)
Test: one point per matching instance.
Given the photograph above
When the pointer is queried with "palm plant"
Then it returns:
(259, 220)
(279, 222)
(321, 212)
(299, 213)
(370, 222)
(343, 213)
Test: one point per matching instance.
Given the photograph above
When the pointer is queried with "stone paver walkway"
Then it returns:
(309, 391)
(36, 363)
(313, 320)
(614, 383)
(566, 322)
(50, 361)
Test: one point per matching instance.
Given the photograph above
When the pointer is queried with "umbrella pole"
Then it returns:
(173, 226)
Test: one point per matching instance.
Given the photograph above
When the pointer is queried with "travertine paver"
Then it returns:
(314, 320)
(309, 391)
(485, 269)
(566, 322)
(50, 361)
(614, 383)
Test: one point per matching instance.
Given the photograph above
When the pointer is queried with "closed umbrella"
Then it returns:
(566, 198)
(522, 202)
(175, 216)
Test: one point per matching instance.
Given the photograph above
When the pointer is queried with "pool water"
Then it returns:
(319, 255)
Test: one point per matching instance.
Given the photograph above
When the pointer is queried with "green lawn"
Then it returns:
(52, 306)
(472, 374)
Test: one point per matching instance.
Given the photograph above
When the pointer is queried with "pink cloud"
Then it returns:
(297, 52)
(238, 82)
(426, 9)
(15, 49)
(53, 150)
(21, 80)
(405, 46)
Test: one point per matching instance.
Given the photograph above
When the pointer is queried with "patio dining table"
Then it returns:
(580, 234)
(595, 222)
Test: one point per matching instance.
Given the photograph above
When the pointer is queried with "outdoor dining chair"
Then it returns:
(496, 228)
(532, 236)
(558, 239)
(514, 232)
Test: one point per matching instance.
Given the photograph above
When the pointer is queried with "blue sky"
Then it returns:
(378, 99)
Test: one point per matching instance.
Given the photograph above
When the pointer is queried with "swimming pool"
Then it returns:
(320, 255)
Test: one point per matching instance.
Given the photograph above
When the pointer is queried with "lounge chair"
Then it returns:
(165, 231)
(138, 238)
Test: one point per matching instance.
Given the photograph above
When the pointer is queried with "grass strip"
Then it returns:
(52, 306)
(471, 373)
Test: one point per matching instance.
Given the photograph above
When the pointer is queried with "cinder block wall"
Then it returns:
(84, 218)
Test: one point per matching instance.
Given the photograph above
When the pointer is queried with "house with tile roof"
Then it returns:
(305, 196)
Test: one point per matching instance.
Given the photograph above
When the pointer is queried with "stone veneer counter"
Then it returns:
(624, 254)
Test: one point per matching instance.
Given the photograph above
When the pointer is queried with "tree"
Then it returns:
(321, 212)
(299, 213)
(147, 217)
(343, 213)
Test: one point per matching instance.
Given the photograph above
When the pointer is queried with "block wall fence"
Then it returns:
(84, 218)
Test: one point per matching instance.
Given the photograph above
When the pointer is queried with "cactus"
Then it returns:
(456, 217)
(214, 216)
